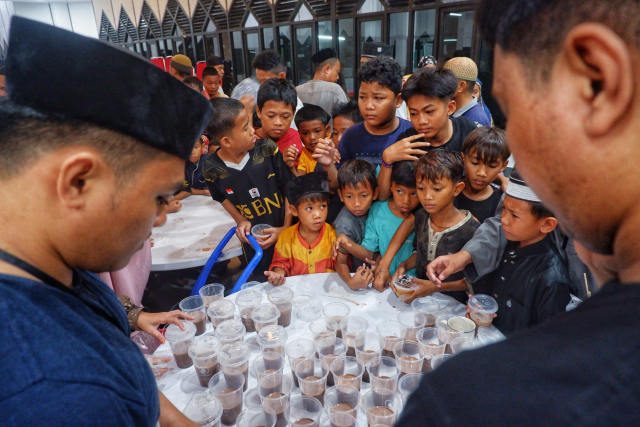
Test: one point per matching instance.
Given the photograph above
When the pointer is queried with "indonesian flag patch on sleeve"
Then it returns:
(229, 191)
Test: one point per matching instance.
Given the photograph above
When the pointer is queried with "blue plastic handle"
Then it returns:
(250, 267)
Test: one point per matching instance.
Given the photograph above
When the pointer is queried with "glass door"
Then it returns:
(253, 48)
(369, 30)
(303, 49)
(457, 33)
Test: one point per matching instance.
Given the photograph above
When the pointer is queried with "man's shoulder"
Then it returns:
(465, 124)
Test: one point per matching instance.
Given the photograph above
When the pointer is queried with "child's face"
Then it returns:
(429, 115)
(311, 132)
(220, 70)
(312, 215)
(211, 85)
(435, 196)
(405, 198)
(377, 103)
(358, 199)
(518, 222)
(196, 152)
(242, 138)
(340, 126)
(477, 91)
(276, 118)
(478, 174)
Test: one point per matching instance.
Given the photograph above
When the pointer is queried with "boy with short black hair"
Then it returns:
(248, 177)
(211, 83)
(357, 188)
(313, 126)
(384, 218)
(440, 228)
(194, 82)
(194, 182)
(305, 248)
(344, 116)
(378, 97)
(486, 155)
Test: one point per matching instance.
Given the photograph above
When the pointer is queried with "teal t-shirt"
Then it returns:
(381, 226)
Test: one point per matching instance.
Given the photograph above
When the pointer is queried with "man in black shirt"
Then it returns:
(573, 129)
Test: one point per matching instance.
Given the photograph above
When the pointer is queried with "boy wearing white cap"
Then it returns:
(466, 71)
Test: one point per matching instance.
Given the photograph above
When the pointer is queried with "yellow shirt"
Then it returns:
(306, 162)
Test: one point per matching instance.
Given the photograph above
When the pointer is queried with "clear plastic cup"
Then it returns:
(412, 321)
(324, 327)
(180, 341)
(403, 285)
(221, 310)
(482, 308)
(267, 363)
(347, 370)
(256, 417)
(342, 399)
(367, 347)
(257, 232)
(282, 297)
(408, 357)
(211, 293)
(486, 336)
(303, 411)
(204, 409)
(275, 392)
(430, 307)
(439, 359)
(392, 332)
(350, 327)
(230, 331)
(339, 420)
(308, 311)
(329, 349)
(194, 306)
(254, 286)
(381, 406)
(246, 301)
(336, 311)
(265, 315)
(272, 338)
(235, 357)
(408, 384)
(383, 373)
(312, 377)
(302, 298)
(430, 346)
(461, 344)
(464, 325)
(445, 333)
(227, 386)
(298, 350)
(204, 354)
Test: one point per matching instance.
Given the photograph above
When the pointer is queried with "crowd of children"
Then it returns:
(372, 196)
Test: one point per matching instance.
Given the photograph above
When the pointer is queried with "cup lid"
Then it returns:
(203, 408)
(230, 330)
(303, 298)
(265, 313)
(426, 305)
(272, 336)
(483, 303)
(403, 281)
(309, 311)
(175, 334)
(204, 346)
(233, 353)
(249, 296)
(281, 293)
(221, 307)
(353, 324)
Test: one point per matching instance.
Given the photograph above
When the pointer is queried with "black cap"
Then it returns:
(321, 56)
(373, 49)
(100, 83)
(313, 182)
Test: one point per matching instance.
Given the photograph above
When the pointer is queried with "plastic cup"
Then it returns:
(308, 311)
(323, 327)
(439, 359)
(265, 315)
(403, 285)
(211, 293)
(461, 344)
(194, 306)
(486, 336)
(408, 357)
(381, 406)
(230, 331)
(298, 350)
(272, 338)
(347, 370)
(430, 346)
(246, 301)
(412, 321)
(383, 373)
(254, 286)
(312, 377)
(430, 307)
(392, 332)
(408, 384)
(329, 349)
(367, 347)
(204, 409)
(221, 310)
(336, 311)
(464, 325)
(257, 232)
(282, 297)
(339, 420)
(235, 357)
(228, 386)
(256, 417)
(445, 333)
(267, 363)
(342, 399)
(204, 354)
(275, 391)
(350, 327)
(180, 341)
(482, 308)
(303, 411)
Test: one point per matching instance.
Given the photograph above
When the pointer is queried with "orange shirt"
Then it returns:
(298, 257)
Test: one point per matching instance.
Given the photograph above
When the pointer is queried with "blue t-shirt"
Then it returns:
(64, 364)
(193, 175)
(382, 224)
(358, 143)
(476, 114)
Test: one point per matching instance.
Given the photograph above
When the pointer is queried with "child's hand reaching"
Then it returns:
(362, 278)
(324, 152)
(174, 206)
(381, 280)
(405, 149)
(276, 279)
(243, 230)
(341, 240)
(425, 288)
(273, 233)
(290, 154)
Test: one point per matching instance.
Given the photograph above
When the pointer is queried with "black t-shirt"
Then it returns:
(461, 128)
(581, 368)
(482, 209)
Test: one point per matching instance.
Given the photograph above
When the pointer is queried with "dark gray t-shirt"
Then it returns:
(353, 227)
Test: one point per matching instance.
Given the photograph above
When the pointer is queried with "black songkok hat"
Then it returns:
(97, 82)
(519, 189)
(373, 49)
(313, 182)
(321, 56)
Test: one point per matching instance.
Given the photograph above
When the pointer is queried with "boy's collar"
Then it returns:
(544, 245)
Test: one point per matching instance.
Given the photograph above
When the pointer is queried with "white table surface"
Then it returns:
(178, 385)
(189, 236)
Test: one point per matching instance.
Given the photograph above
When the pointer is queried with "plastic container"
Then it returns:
(265, 315)
(403, 286)
(312, 377)
(211, 293)
(275, 391)
(324, 327)
(180, 341)
(257, 232)
(235, 357)
(272, 338)
(408, 357)
(221, 310)
(256, 417)
(303, 411)
(482, 307)
(391, 332)
(486, 336)
(445, 333)
(408, 384)
(350, 327)
(194, 306)
(204, 409)
(228, 386)
(308, 311)
(204, 354)
(464, 325)
(381, 406)
(297, 351)
(347, 370)
(230, 331)
(412, 321)
(254, 286)
(282, 297)
(246, 301)
(383, 372)
(336, 311)
(429, 306)
(342, 399)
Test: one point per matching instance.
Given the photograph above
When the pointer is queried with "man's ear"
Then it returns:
(462, 86)
(78, 176)
(282, 75)
(293, 210)
(458, 188)
(225, 141)
(451, 108)
(548, 225)
(326, 69)
(399, 100)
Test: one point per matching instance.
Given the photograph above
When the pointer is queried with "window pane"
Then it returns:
(398, 36)
(371, 6)
(179, 46)
(238, 57)
(226, 47)
(303, 51)
(201, 53)
(267, 35)
(325, 36)
(284, 43)
(424, 29)
(252, 48)
(347, 52)
(457, 34)
(370, 31)
(303, 14)
(154, 49)
(213, 46)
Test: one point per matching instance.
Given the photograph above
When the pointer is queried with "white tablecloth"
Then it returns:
(190, 235)
(178, 385)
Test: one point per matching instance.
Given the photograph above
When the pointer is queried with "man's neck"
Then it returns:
(476, 195)
(446, 217)
(318, 77)
(384, 128)
(443, 136)
(309, 236)
(463, 100)
(626, 248)
(231, 156)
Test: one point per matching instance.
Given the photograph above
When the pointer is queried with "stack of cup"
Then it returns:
(194, 306)
(235, 357)
(227, 386)
(297, 351)
(204, 354)
(272, 338)
(392, 332)
(265, 315)
(204, 409)
(275, 392)
(350, 327)
(336, 311)
(282, 297)
(180, 341)
(304, 411)
(230, 331)
(482, 307)
(312, 377)
(246, 301)
(221, 310)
